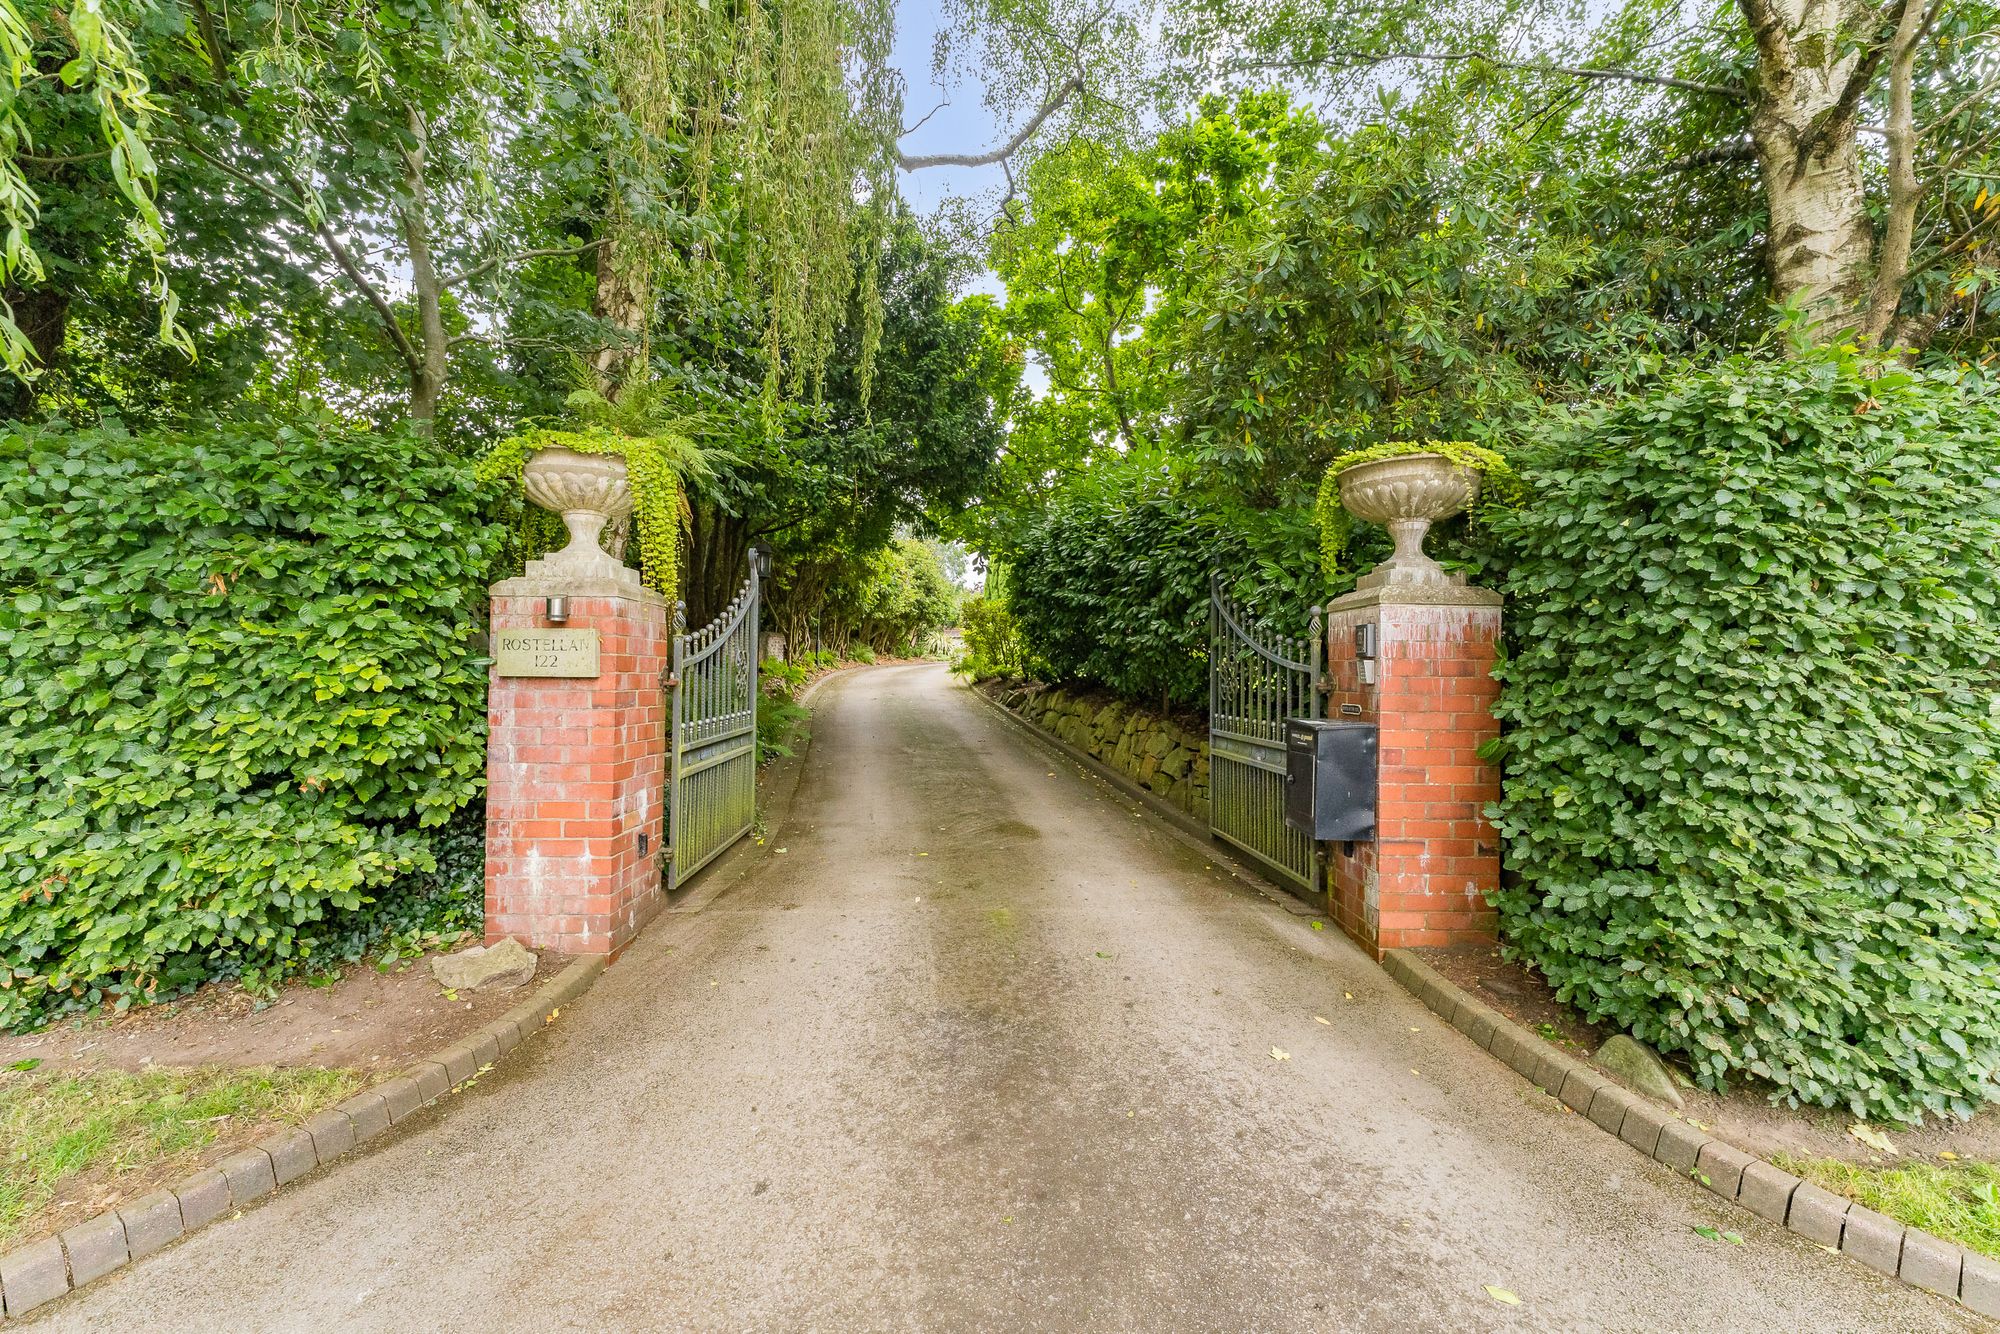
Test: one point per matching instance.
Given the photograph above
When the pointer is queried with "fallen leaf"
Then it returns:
(923, 854)
(1945, 1154)
(783, 849)
(1322, 1019)
(1280, 1054)
(1872, 1137)
(28, 1064)
(1319, 926)
(1501, 1295)
(1733, 1238)
(1704, 1230)
(1348, 994)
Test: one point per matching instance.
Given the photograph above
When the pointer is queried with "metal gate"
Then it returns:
(712, 761)
(1257, 678)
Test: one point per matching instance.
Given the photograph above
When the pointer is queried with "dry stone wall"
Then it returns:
(1159, 754)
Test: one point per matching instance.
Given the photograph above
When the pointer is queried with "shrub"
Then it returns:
(893, 597)
(239, 690)
(779, 713)
(1110, 583)
(1752, 756)
(864, 654)
(992, 637)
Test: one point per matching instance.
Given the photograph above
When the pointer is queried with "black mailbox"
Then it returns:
(1330, 778)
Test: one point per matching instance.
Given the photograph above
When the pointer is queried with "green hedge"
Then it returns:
(238, 695)
(1110, 582)
(1752, 754)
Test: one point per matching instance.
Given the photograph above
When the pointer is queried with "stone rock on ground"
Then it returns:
(505, 965)
(1639, 1066)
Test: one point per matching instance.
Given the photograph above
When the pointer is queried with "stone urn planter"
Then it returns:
(589, 491)
(1406, 495)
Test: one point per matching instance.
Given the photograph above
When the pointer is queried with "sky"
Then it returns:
(958, 123)
(962, 125)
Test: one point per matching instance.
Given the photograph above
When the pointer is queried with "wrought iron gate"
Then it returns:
(712, 760)
(1257, 678)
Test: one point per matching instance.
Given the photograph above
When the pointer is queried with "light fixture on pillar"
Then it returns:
(760, 556)
(555, 610)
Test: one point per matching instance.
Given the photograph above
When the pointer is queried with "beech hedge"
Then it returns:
(239, 700)
(1752, 747)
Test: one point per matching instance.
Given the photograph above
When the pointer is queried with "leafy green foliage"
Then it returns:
(830, 487)
(901, 597)
(993, 644)
(94, 53)
(1752, 758)
(1110, 583)
(780, 716)
(239, 691)
(1407, 285)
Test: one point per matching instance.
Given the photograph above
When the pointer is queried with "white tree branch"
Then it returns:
(1056, 100)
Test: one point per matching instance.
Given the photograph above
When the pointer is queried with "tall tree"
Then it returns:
(1856, 239)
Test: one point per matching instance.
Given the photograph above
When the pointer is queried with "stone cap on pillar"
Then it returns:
(544, 583)
(1417, 595)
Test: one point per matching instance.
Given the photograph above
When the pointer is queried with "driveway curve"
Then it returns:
(973, 1043)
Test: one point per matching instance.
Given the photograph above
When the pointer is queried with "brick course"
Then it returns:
(575, 774)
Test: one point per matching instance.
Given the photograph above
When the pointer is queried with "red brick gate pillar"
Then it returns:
(575, 759)
(1429, 689)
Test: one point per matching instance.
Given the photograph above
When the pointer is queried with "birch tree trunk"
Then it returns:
(1803, 126)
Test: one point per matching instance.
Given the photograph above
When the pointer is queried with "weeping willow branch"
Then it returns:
(746, 111)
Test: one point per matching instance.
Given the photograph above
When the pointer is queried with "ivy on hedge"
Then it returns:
(1752, 754)
(238, 690)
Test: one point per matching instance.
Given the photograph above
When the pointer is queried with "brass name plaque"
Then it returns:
(545, 652)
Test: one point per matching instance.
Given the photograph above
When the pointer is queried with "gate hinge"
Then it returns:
(667, 678)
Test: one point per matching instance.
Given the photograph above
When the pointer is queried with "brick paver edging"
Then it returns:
(1881, 1243)
(44, 1270)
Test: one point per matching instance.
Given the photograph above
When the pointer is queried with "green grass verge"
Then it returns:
(1959, 1201)
(98, 1132)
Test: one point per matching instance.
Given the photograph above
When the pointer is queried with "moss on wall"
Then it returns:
(1161, 755)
